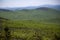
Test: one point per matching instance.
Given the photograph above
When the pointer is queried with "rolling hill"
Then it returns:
(40, 14)
(30, 24)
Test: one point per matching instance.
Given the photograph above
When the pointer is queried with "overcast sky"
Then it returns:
(24, 3)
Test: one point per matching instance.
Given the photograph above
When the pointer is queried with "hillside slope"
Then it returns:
(41, 14)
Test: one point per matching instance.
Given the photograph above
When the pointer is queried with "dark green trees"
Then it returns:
(7, 33)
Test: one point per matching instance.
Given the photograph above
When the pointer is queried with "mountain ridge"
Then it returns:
(39, 14)
(57, 7)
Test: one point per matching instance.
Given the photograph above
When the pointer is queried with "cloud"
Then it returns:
(24, 3)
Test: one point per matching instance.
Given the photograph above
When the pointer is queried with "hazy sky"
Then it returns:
(24, 3)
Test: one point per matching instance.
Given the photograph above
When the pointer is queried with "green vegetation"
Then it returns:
(39, 15)
(30, 30)
(31, 24)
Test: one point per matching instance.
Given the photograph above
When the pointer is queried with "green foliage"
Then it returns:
(32, 24)
(38, 15)
(30, 30)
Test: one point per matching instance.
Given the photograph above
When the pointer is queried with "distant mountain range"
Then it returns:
(39, 13)
(5, 10)
(57, 7)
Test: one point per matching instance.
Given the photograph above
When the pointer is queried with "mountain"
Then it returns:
(56, 7)
(43, 8)
(40, 14)
(20, 8)
(6, 10)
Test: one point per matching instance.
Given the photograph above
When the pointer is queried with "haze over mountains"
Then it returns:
(57, 7)
(40, 13)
